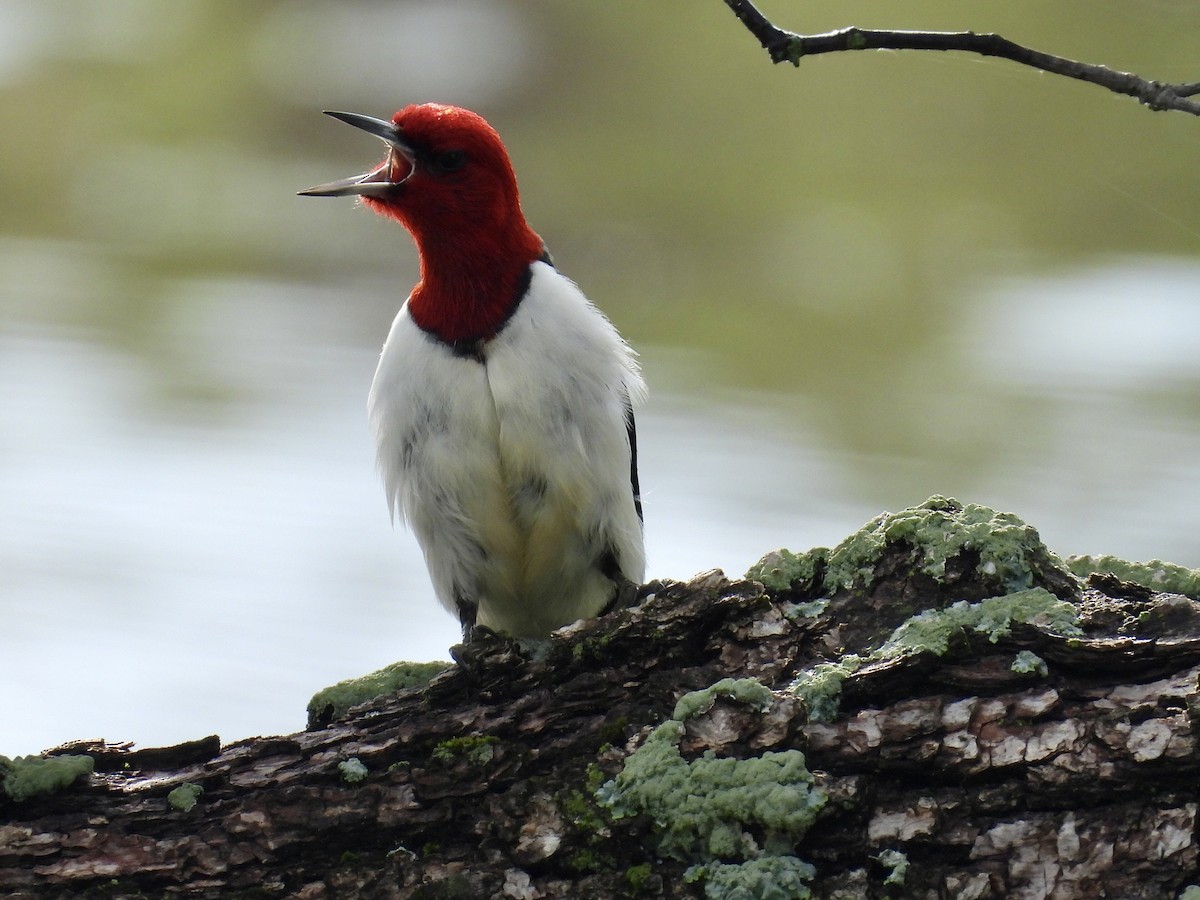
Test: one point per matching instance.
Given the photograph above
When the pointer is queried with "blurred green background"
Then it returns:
(853, 284)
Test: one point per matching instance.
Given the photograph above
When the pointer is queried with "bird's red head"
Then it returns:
(455, 178)
(448, 180)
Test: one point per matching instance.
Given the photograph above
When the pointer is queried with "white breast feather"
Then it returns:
(515, 474)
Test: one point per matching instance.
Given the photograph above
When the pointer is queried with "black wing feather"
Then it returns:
(631, 429)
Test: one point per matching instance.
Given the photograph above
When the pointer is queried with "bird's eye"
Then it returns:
(450, 161)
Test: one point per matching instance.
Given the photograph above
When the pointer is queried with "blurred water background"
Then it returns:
(879, 277)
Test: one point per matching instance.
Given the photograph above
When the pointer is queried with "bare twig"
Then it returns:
(787, 46)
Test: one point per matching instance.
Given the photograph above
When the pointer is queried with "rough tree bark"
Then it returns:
(945, 770)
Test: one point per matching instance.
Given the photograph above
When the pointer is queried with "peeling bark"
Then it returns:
(1080, 782)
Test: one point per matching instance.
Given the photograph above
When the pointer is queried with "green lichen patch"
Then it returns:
(637, 876)
(580, 810)
(897, 865)
(185, 797)
(766, 878)
(709, 810)
(783, 570)
(931, 631)
(808, 610)
(23, 777)
(744, 690)
(702, 807)
(1029, 663)
(333, 702)
(994, 617)
(820, 686)
(477, 749)
(593, 835)
(352, 770)
(1156, 575)
(1010, 553)
(941, 529)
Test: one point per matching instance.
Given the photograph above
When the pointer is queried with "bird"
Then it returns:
(503, 402)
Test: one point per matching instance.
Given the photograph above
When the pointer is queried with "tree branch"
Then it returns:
(884, 719)
(787, 46)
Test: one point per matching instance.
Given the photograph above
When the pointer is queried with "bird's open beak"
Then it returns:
(378, 182)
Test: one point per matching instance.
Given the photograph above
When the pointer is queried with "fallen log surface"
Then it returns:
(957, 718)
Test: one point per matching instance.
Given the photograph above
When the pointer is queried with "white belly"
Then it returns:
(514, 472)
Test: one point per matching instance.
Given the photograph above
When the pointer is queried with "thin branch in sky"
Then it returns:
(787, 46)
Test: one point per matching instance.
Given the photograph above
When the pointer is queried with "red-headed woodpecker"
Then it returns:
(502, 406)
